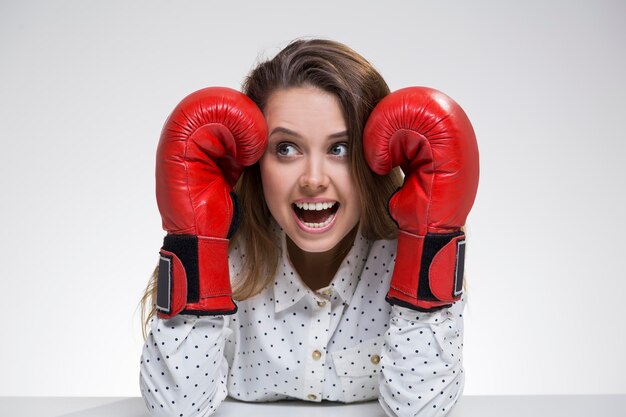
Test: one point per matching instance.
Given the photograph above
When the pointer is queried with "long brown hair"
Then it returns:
(337, 69)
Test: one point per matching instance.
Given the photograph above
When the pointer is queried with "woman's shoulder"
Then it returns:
(383, 248)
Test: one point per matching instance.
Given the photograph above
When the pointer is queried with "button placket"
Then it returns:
(316, 359)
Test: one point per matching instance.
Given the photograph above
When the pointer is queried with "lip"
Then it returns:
(316, 230)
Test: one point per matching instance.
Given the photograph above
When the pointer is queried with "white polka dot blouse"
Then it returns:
(341, 343)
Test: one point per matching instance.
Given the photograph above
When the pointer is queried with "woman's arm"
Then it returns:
(183, 370)
(421, 363)
(206, 142)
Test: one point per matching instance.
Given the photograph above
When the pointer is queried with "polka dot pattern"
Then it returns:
(340, 343)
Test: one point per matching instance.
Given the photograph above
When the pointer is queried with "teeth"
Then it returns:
(315, 206)
(318, 225)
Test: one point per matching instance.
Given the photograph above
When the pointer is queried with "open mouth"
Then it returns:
(316, 215)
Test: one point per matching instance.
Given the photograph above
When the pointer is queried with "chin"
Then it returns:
(317, 245)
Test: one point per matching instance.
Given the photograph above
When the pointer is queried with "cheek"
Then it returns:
(342, 177)
(349, 190)
(273, 182)
(355, 202)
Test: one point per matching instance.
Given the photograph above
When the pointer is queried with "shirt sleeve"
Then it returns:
(421, 363)
(183, 370)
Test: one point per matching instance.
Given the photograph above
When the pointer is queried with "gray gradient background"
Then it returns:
(85, 87)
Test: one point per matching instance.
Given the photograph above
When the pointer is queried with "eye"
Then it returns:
(285, 149)
(339, 149)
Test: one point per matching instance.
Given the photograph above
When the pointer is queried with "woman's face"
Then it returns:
(306, 168)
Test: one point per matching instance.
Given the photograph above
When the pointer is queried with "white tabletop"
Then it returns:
(468, 406)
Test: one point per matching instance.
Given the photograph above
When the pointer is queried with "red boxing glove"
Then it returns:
(205, 144)
(429, 136)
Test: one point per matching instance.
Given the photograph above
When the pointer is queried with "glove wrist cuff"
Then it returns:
(428, 273)
(194, 277)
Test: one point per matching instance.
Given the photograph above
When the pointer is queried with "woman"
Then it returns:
(310, 262)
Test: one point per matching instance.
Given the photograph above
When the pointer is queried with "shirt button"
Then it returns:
(317, 355)
(375, 359)
(312, 397)
(321, 303)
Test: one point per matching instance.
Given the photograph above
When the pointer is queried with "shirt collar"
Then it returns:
(289, 287)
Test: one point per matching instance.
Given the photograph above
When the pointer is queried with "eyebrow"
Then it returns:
(280, 129)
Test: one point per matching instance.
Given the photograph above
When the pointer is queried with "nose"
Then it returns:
(314, 176)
